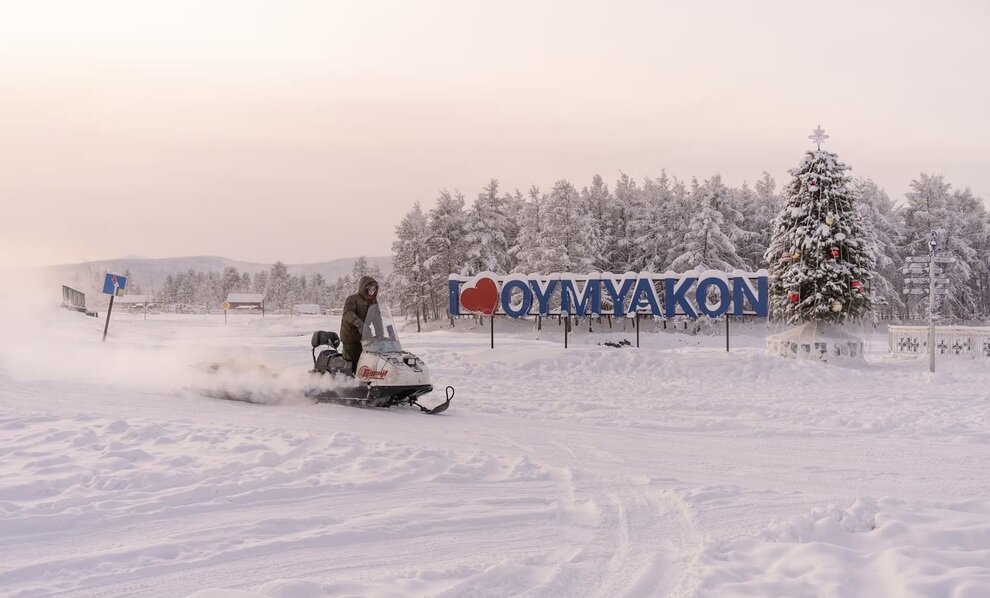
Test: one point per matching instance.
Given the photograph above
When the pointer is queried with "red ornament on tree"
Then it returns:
(835, 252)
(856, 284)
(794, 297)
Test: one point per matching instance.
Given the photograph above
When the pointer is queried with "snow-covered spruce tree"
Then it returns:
(447, 230)
(883, 228)
(489, 225)
(567, 232)
(760, 207)
(958, 218)
(410, 251)
(361, 267)
(597, 201)
(726, 201)
(530, 252)
(627, 203)
(513, 204)
(679, 214)
(706, 243)
(976, 230)
(277, 294)
(820, 262)
(652, 225)
(230, 279)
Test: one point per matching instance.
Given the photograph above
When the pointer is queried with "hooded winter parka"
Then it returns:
(355, 312)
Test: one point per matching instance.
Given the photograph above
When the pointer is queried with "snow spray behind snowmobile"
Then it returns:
(385, 375)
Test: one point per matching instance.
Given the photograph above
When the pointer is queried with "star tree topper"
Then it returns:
(819, 136)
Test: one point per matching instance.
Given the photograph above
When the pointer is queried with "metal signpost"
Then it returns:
(113, 285)
(932, 246)
(916, 283)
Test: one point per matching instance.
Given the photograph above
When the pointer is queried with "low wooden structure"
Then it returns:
(134, 302)
(243, 302)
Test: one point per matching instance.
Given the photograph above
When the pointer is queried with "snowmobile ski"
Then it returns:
(439, 408)
(368, 402)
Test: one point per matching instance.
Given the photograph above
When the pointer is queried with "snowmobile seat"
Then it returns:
(328, 358)
(322, 337)
(332, 362)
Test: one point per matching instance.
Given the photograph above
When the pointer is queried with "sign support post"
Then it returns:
(492, 320)
(932, 245)
(107, 325)
(938, 282)
(726, 333)
(113, 285)
(637, 329)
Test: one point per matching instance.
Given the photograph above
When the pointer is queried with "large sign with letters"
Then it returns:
(710, 293)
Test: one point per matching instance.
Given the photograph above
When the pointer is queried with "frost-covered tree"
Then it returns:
(361, 267)
(260, 283)
(622, 256)
(489, 227)
(230, 280)
(317, 290)
(568, 231)
(759, 207)
(706, 242)
(652, 225)
(882, 230)
(447, 244)
(278, 287)
(596, 202)
(932, 206)
(726, 201)
(530, 251)
(410, 252)
(189, 289)
(974, 230)
(679, 216)
(820, 262)
(513, 209)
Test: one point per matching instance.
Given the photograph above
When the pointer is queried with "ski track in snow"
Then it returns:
(674, 470)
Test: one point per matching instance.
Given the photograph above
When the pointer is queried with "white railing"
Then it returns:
(952, 341)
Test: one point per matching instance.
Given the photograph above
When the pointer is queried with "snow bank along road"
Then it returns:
(673, 470)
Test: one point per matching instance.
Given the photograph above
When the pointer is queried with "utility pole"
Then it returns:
(932, 247)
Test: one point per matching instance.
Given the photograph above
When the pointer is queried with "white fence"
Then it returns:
(953, 341)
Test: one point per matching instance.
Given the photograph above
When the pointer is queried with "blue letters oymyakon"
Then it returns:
(711, 293)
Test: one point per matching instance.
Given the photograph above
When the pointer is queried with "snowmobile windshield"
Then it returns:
(378, 335)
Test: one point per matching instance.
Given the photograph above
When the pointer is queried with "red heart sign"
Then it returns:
(482, 298)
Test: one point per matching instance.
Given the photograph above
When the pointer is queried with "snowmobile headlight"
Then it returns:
(410, 361)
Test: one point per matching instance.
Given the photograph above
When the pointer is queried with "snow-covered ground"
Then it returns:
(673, 470)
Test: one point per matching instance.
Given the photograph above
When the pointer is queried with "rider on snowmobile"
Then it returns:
(355, 313)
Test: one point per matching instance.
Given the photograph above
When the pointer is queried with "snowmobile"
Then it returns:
(385, 375)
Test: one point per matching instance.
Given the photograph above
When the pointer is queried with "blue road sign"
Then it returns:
(114, 284)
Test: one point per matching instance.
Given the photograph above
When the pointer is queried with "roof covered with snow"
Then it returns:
(245, 298)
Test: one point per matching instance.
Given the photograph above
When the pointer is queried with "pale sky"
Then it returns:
(304, 130)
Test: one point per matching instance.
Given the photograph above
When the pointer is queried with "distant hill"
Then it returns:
(148, 272)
